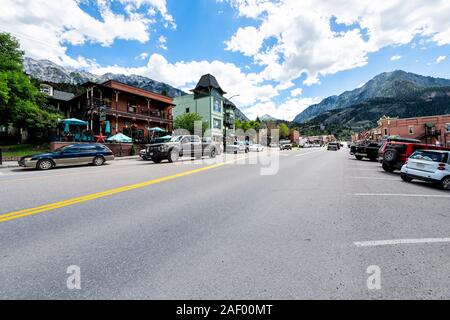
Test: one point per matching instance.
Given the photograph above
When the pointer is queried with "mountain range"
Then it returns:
(391, 87)
(45, 70)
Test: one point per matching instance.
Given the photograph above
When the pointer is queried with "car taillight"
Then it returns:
(441, 166)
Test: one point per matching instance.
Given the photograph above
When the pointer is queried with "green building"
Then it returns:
(207, 99)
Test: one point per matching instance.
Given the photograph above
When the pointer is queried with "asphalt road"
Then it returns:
(198, 230)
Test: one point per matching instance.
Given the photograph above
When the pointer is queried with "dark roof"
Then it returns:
(63, 96)
(208, 81)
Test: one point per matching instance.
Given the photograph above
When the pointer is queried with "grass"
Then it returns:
(17, 151)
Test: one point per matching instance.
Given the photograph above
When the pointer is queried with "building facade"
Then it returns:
(207, 100)
(121, 108)
(431, 130)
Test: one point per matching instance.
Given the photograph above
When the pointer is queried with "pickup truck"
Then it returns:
(181, 146)
(285, 145)
(367, 150)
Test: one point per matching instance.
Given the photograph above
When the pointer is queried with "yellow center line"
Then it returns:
(53, 206)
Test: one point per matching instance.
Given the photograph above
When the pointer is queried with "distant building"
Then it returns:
(208, 101)
(59, 99)
(294, 136)
(431, 130)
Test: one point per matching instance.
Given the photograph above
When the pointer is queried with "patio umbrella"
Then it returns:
(108, 127)
(74, 122)
(120, 137)
(157, 129)
(66, 127)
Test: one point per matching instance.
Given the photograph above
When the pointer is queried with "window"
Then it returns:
(132, 109)
(217, 106)
(188, 110)
(217, 124)
(46, 89)
(195, 139)
(385, 132)
(411, 130)
(430, 156)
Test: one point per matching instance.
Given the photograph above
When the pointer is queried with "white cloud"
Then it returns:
(440, 59)
(162, 42)
(292, 38)
(44, 29)
(142, 56)
(185, 75)
(396, 57)
(285, 111)
(296, 92)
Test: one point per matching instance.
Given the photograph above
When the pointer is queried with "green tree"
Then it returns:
(21, 103)
(186, 121)
(284, 131)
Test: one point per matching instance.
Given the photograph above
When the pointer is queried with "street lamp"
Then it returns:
(226, 124)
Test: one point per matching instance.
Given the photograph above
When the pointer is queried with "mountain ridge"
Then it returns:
(396, 84)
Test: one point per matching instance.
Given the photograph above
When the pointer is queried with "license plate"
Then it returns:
(151, 154)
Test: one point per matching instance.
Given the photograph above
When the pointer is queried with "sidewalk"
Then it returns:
(9, 164)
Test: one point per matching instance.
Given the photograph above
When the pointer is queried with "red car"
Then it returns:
(393, 155)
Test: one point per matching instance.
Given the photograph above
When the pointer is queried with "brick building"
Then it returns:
(431, 130)
(124, 109)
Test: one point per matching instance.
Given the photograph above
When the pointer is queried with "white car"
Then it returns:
(256, 148)
(237, 147)
(428, 165)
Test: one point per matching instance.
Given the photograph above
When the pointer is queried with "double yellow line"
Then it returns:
(70, 202)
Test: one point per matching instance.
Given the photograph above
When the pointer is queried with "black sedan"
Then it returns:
(78, 154)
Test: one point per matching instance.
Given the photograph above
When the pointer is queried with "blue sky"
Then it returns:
(280, 56)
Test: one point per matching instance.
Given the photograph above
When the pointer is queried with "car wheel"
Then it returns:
(45, 164)
(405, 178)
(358, 157)
(157, 160)
(391, 156)
(99, 161)
(212, 154)
(387, 168)
(174, 155)
(446, 183)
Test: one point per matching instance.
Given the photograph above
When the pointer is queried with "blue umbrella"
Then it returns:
(74, 122)
(108, 127)
(120, 137)
(66, 127)
(157, 129)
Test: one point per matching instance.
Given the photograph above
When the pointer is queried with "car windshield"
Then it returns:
(176, 139)
(430, 156)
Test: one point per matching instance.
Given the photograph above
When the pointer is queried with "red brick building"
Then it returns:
(124, 109)
(431, 130)
(294, 136)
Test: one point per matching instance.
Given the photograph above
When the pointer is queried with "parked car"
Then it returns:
(285, 145)
(180, 146)
(428, 165)
(238, 147)
(256, 148)
(78, 154)
(393, 155)
(143, 152)
(333, 146)
(367, 150)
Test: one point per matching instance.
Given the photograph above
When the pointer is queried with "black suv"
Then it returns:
(367, 150)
